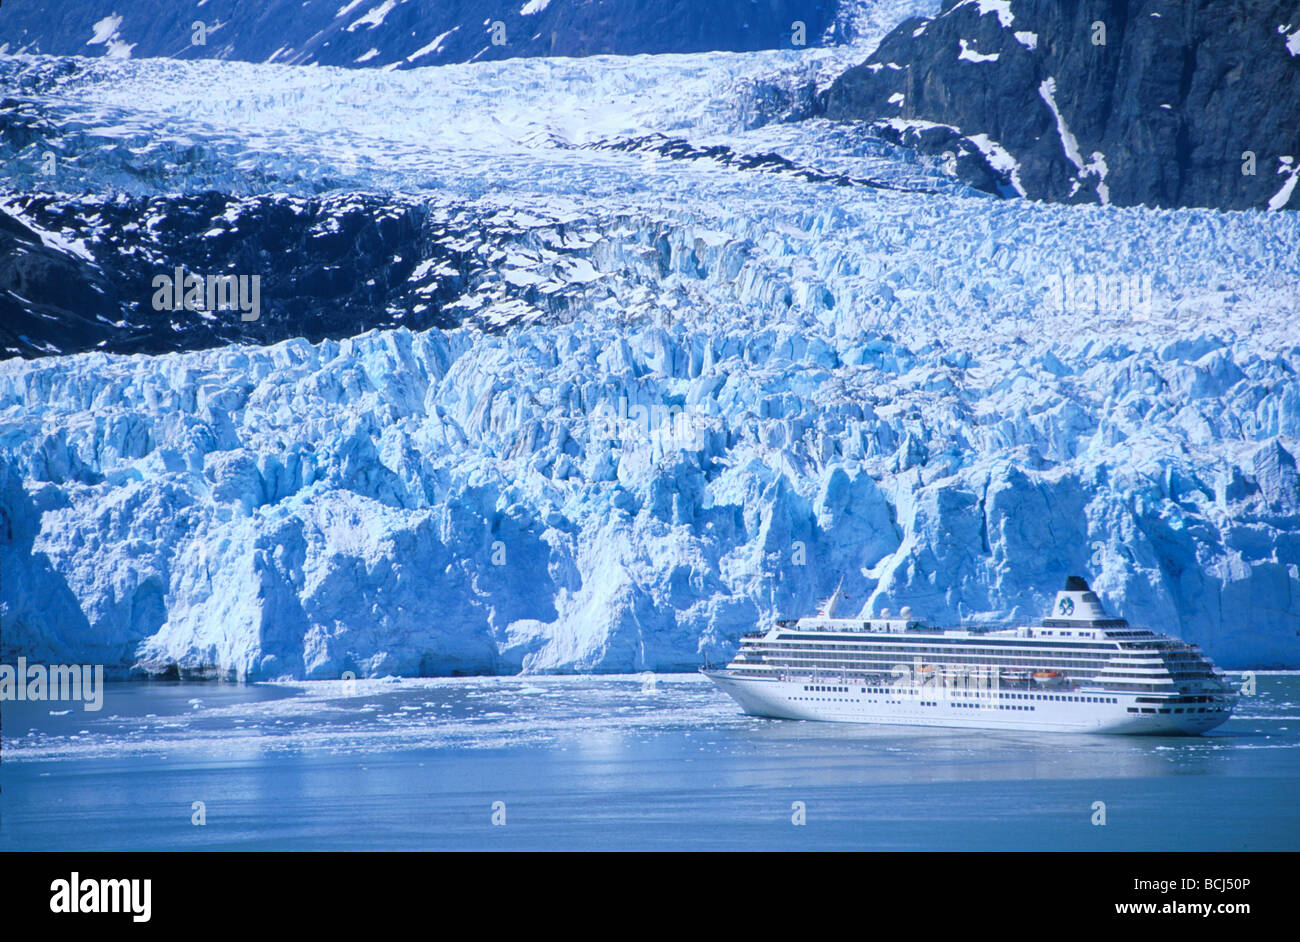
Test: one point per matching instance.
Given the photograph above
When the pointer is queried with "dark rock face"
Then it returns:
(1156, 102)
(78, 274)
(410, 33)
(326, 268)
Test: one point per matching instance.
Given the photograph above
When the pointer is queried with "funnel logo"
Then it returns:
(1066, 607)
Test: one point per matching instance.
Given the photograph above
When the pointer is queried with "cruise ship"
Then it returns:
(1078, 671)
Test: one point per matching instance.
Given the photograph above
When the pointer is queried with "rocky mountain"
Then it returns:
(413, 33)
(1127, 102)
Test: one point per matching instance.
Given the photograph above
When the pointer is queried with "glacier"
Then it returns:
(443, 502)
(758, 385)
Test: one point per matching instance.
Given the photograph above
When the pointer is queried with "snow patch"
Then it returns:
(1094, 168)
(104, 29)
(1047, 91)
(1286, 165)
(1292, 39)
(375, 16)
(1001, 7)
(915, 124)
(970, 55)
(105, 33)
(1097, 167)
(999, 159)
(431, 47)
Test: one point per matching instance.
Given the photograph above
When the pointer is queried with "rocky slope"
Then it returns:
(1152, 102)
(411, 33)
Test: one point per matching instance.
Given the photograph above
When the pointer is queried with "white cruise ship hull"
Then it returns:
(1075, 712)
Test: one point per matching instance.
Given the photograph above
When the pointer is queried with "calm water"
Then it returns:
(609, 763)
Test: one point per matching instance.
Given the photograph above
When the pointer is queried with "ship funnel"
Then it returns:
(1076, 604)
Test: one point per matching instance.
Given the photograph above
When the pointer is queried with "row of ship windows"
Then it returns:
(821, 688)
(996, 654)
(983, 654)
(918, 647)
(984, 645)
(856, 652)
(1038, 651)
(883, 668)
(876, 657)
(1111, 677)
(1127, 686)
(934, 703)
(1112, 667)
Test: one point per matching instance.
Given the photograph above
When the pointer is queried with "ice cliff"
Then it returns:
(586, 499)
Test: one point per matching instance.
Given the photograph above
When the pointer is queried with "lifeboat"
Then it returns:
(1048, 678)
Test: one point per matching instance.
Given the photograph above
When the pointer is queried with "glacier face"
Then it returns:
(589, 498)
(757, 384)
